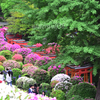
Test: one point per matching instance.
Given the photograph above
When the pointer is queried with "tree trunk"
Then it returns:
(98, 89)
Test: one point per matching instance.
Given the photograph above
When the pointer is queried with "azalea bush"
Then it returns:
(43, 61)
(76, 79)
(41, 76)
(53, 70)
(24, 51)
(1, 63)
(64, 86)
(2, 59)
(16, 51)
(82, 89)
(60, 95)
(30, 70)
(5, 47)
(25, 82)
(11, 63)
(27, 65)
(6, 53)
(14, 47)
(60, 77)
(53, 83)
(17, 57)
(3, 43)
(1, 68)
(31, 58)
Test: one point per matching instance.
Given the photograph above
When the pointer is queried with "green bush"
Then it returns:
(82, 89)
(45, 87)
(1, 68)
(6, 53)
(21, 64)
(41, 76)
(25, 82)
(16, 73)
(60, 95)
(53, 83)
(76, 97)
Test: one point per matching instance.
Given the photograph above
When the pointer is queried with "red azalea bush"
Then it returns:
(11, 63)
(53, 70)
(29, 70)
(27, 65)
(17, 57)
(2, 58)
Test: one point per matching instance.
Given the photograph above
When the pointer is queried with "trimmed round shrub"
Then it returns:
(41, 76)
(24, 51)
(76, 97)
(60, 77)
(16, 73)
(25, 82)
(76, 79)
(82, 89)
(43, 61)
(45, 87)
(6, 53)
(11, 63)
(53, 70)
(64, 86)
(16, 51)
(1, 63)
(29, 70)
(14, 47)
(17, 57)
(1, 68)
(53, 83)
(31, 58)
(60, 95)
(27, 65)
(2, 58)
(5, 47)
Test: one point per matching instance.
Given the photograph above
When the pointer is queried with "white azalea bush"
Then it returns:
(24, 82)
(60, 77)
(13, 93)
(64, 86)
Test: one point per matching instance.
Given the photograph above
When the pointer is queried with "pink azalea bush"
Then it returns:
(43, 61)
(14, 47)
(38, 45)
(76, 79)
(29, 70)
(11, 63)
(27, 65)
(53, 70)
(31, 58)
(3, 43)
(2, 58)
(24, 51)
(16, 51)
(17, 57)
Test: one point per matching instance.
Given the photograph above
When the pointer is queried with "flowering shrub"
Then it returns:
(53, 83)
(43, 61)
(76, 79)
(5, 47)
(6, 53)
(53, 70)
(27, 65)
(41, 76)
(38, 45)
(29, 70)
(11, 63)
(60, 95)
(1, 68)
(64, 86)
(24, 82)
(16, 51)
(1, 63)
(83, 89)
(2, 58)
(24, 51)
(31, 58)
(14, 47)
(60, 77)
(3, 43)
(17, 57)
